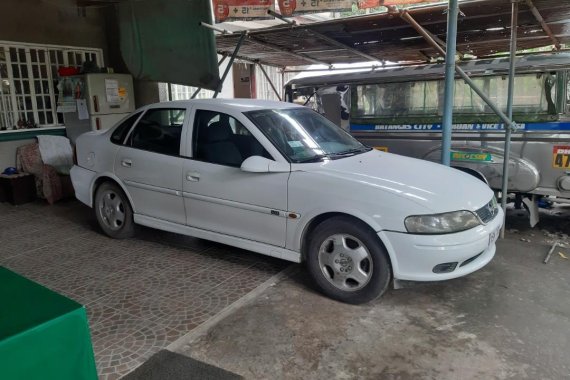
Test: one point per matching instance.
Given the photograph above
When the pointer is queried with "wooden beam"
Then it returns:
(404, 14)
(543, 24)
(273, 47)
(341, 45)
(89, 3)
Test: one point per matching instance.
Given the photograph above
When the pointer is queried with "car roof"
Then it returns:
(240, 105)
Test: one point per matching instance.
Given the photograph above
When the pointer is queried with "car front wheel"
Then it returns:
(113, 211)
(347, 261)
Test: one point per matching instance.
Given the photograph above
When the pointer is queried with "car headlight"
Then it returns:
(441, 223)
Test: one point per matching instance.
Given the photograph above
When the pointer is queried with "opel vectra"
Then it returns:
(281, 180)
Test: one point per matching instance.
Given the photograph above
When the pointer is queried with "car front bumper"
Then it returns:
(414, 257)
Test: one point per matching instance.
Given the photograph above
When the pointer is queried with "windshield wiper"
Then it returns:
(351, 152)
(345, 153)
(316, 158)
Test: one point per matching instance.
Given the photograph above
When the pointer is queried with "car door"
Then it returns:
(218, 195)
(150, 164)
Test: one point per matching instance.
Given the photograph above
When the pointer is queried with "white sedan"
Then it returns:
(281, 180)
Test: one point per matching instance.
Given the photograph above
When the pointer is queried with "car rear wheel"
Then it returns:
(113, 211)
(347, 261)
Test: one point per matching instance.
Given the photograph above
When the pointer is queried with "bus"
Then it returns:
(399, 110)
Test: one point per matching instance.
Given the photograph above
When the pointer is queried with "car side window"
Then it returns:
(221, 139)
(121, 132)
(159, 131)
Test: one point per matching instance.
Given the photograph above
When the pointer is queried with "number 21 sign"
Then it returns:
(227, 10)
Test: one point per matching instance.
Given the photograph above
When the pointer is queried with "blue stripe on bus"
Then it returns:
(552, 126)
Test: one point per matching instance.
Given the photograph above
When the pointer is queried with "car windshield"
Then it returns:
(303, 135)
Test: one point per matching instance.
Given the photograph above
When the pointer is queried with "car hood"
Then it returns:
(433, 186)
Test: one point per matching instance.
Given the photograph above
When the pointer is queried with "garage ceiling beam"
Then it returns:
(253, 61)
(342, 45)
(394, 10)
(543, 24)
(273, 47)
(96, 3)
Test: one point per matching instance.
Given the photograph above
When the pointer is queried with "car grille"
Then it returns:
(488, 212)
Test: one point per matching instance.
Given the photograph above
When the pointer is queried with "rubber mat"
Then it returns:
(172, 366)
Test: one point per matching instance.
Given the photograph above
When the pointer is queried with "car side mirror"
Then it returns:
(258, 164)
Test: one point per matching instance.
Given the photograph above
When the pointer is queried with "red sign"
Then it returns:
(232, 10)
(363, 4)
(295, 7)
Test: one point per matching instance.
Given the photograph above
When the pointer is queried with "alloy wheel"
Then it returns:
(112, 210)
(345, 262)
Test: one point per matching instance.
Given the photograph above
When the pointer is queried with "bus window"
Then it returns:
(568, 94)
(534, 94)
(424, 97)
(397, 99)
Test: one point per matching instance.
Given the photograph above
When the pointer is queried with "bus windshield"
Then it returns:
(534, 94)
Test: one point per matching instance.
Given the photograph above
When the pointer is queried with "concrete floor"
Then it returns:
(510, 320)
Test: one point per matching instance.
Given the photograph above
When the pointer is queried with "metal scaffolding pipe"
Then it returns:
(200, 88)
(342, 45)
(285, 51)
(214, 28)
(323, 37)
(543, 24)
(283, 85)
(510, 101)
(230, 63)
(196, 92)
(281, 17)
(332, 68)
(406, 16)
(269, 80)
(449, 92)
(504, 118)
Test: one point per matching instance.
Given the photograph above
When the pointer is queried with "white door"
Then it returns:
(150, 165)
(219, 196)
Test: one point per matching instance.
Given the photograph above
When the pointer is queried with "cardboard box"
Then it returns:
(17, 188)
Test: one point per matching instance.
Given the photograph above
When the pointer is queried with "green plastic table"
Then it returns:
(43, 335)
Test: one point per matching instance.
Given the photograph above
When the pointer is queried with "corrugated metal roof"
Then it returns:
(490, 66)
(483, 29)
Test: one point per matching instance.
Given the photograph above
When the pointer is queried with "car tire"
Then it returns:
(113, 211)
(347, 261)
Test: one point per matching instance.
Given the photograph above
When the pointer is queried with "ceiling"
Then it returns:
(483, 30)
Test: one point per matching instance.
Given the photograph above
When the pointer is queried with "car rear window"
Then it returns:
(121, 132)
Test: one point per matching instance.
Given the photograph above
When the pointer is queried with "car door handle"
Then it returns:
(126, 163)
(193, 176)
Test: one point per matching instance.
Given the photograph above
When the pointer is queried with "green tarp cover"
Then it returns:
(43, 335)
(163, 41)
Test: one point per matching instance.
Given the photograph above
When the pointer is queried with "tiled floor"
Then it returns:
(141, 294)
